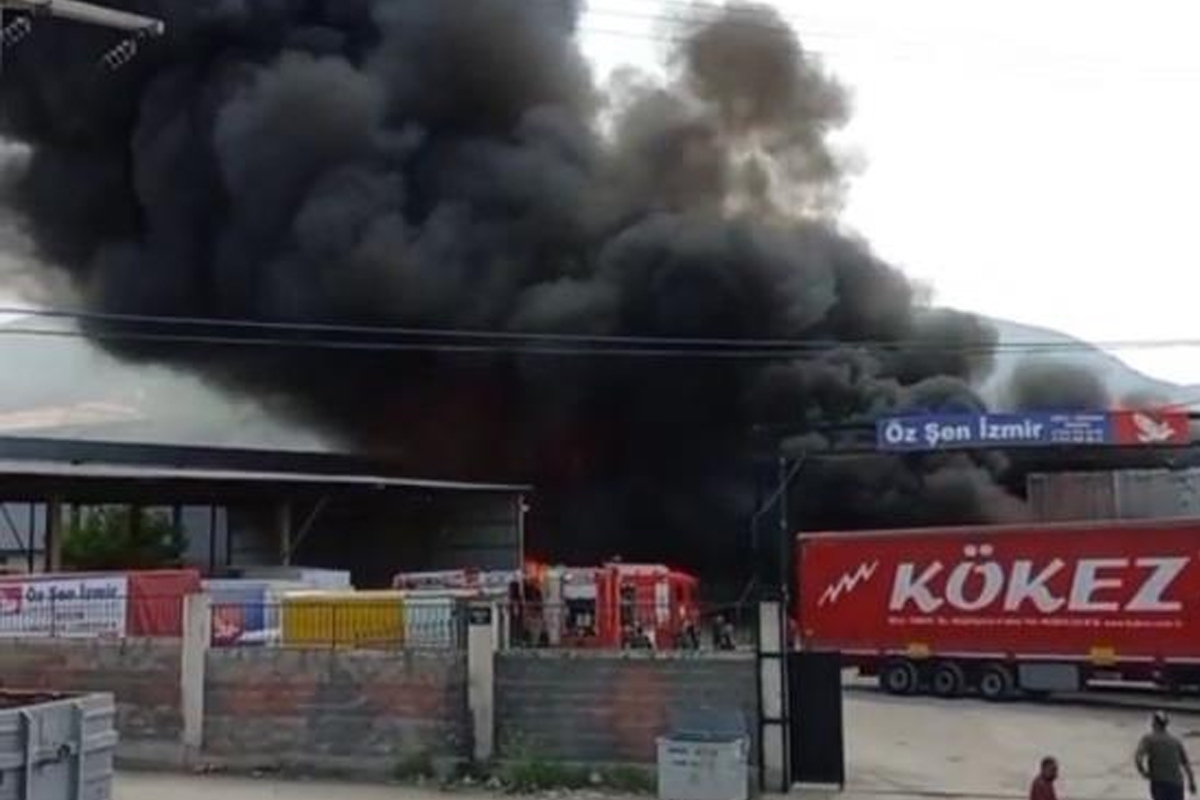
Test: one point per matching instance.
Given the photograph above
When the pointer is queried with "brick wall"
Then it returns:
(609, 707)
(143, 675)
(324, 708)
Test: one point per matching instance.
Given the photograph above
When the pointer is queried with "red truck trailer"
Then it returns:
(998, 610)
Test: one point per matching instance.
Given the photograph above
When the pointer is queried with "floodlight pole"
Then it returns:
(137, 26)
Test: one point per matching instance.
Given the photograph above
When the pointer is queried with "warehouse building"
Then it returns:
(243, 508)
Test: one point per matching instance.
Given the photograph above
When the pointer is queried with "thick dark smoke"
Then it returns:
(1056, 385)
(452, 164)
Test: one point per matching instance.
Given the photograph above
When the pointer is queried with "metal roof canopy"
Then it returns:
(85, 470)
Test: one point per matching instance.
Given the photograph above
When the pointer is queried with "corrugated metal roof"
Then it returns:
(60, 469)
(46, 459)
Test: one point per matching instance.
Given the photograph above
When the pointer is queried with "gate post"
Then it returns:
(197, 638)
(481, 680)
(771, 646)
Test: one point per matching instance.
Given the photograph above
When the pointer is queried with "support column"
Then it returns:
(197, 635)
(481, 678)
(137, 516)
(522, 510)
(772, 697)
(283, 528)
(212, 539)
(228, 538)
(31, 556)
(54, 534)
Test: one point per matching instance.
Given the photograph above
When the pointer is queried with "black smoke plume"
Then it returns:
(1056, 385)
(452, 164)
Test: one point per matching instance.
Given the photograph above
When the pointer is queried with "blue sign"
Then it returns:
(925, 432)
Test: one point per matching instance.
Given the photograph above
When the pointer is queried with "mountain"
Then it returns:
(1123, 381)
(61, 385)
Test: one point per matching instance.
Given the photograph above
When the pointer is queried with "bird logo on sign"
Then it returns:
(1150, 430)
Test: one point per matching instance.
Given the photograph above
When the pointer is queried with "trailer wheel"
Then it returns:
(899, 677)
(996, 683)
(948, 680)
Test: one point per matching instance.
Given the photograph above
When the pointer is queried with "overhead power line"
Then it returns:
(537, 348)
(218, 331)
(674, 27)
(1083, 66)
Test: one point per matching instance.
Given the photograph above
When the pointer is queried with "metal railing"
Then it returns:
(643, 626)
(378, 624)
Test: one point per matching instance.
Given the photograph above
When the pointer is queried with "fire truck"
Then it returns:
(612, 605)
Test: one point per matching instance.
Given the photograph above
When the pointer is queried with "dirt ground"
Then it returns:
(906, 747)
(896, 749)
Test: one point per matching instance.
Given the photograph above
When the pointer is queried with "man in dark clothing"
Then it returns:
(1161, 759)
(1043, 784)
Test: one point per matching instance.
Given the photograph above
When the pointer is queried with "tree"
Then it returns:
(116, 538)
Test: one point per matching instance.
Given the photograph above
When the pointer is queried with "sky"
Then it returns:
(1031, 160)
(1034, 160)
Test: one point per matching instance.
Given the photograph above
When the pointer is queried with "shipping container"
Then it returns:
(471, 582)
(1115, 494)
(329, 580)
(343, 619)
(1039, 607)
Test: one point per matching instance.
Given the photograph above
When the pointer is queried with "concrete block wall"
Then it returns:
(374, 713)
(609, 707)
(359, 710)
(142, 674)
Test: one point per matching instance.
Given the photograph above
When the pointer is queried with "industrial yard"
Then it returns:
(392, 392)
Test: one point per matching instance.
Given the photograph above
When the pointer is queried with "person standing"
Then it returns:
(1043, 784)
(1162, 760)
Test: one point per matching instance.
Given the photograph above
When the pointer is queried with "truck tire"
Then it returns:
(900, 677)
(996, 683)
(948, 680)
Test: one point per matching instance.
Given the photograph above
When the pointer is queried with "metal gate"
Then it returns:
(816, 738)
